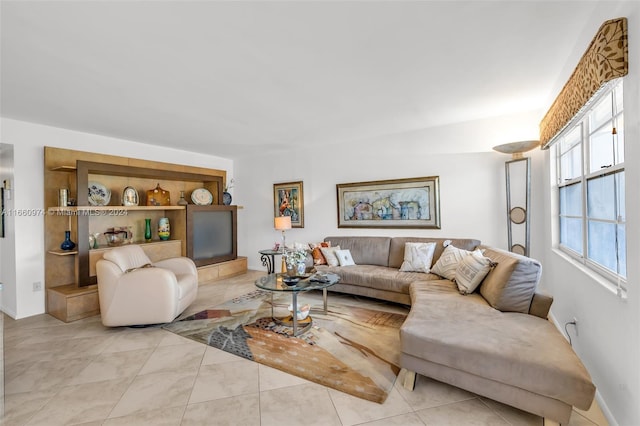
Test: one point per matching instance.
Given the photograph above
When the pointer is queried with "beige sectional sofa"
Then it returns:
(495, 342)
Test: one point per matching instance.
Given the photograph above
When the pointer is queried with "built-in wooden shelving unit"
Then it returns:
(70, 275)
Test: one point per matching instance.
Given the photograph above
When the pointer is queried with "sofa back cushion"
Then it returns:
(510, 285)
(365, 250)
(396, 251)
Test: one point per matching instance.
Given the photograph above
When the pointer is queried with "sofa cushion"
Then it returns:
(396, 248)
(318, 257)
(467, 334)
(344, 257)
(448, 263)
(376, 277)
(418, 257)
(329, 253)
(365, 250)
(510, 285)
(471, 270)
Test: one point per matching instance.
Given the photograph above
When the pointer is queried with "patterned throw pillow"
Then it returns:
(418, 257)
(318, 258)
(344, 257)
(448, 262)
(330, 255)
(471, 270)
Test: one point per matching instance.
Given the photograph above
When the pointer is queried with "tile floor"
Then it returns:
(84, 373)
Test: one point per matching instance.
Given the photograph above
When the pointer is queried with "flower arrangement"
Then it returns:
(293, 257)
(229, 185)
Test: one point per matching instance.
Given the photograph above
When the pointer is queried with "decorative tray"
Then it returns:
(201, 197)
(99, 195)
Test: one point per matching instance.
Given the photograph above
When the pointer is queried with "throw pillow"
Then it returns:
(344, 257)
(318, 258)
(418, 257)
(329, 254)
(448, 262)
(471, 270)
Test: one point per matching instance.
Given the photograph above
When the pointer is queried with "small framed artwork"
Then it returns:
(288, 200)
(399, 203)
(130, 196)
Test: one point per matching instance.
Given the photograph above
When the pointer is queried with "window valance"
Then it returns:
(605, 59)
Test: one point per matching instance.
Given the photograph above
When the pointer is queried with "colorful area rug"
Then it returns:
(353, 348)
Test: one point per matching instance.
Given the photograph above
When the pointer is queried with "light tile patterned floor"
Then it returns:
(84, 373)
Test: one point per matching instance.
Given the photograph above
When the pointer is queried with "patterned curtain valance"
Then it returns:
(605, 59)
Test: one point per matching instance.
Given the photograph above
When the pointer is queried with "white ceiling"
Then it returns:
(226, 77)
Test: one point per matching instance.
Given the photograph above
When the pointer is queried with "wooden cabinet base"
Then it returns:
(222, 270)
(71, 303)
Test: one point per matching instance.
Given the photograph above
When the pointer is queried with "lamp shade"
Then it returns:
(282, 222)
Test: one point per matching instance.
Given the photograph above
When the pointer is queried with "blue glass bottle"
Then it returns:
(67, 244)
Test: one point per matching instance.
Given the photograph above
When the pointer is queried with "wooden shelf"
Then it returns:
(61, 252)
(74, 209)
(68, 169)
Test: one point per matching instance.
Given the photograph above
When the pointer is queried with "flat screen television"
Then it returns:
(212, 233)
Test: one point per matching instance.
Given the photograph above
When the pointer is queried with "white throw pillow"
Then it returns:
(448, 262)
(344, 257)
(329, 253)
(418, 257)
(471, 271)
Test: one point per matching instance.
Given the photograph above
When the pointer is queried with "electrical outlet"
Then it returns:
(37, 286)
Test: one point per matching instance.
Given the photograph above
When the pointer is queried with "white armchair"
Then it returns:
(133, 291)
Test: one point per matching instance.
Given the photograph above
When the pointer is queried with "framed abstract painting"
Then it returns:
(398, 203)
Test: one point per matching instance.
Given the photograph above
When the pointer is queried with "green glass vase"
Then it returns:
(147, 230)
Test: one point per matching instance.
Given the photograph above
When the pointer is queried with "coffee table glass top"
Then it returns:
(317, 281)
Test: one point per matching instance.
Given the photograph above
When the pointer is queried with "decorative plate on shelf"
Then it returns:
(201, 197)
(99, 195)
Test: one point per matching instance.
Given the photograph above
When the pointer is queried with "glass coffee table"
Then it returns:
(318, 281)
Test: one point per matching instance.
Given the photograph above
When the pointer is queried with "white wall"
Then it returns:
(472, 188)
(608, 339)
(29, 141)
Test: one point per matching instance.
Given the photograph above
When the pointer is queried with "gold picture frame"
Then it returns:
(288, 200)
(397, 203)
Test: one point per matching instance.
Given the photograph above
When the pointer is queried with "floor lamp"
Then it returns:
(282, 223)
(518, 185)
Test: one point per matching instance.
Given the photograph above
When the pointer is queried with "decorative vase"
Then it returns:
(226, 198)
(291, 270)
(164, 230)
(147, 230)
(301, 268)
(182, 201)
(67, 244)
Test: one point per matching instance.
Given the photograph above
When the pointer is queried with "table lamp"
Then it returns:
(282, 223)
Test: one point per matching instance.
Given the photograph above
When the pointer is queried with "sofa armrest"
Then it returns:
(540, 305)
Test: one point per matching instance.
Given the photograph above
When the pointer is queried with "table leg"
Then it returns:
(268, 260)
(295, 313)
(324, 299)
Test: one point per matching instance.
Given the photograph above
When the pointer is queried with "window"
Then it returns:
(591, 186)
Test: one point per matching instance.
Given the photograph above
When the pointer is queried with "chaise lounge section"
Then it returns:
(495, 342)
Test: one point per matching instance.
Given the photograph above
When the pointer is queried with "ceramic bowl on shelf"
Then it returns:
(115, 238)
